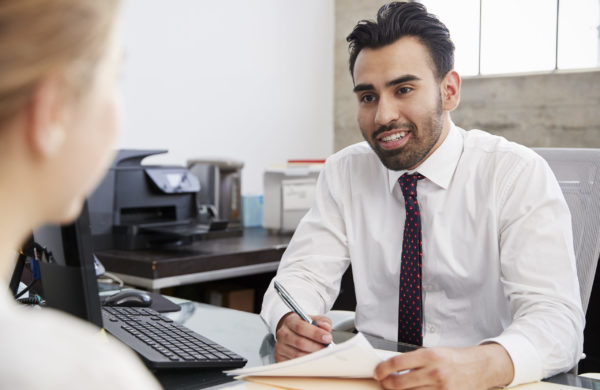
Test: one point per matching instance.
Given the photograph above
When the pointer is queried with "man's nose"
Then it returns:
(387, 112)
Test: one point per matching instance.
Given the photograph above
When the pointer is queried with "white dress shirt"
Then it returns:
(47, 349)
(498, 259)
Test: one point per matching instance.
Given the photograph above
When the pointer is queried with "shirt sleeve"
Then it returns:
(538, 274)
(314, 262)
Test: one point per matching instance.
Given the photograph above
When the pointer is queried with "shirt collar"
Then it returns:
(440, 166)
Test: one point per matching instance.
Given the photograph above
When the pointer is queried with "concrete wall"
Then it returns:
(559, 109)
(556, 109)
(347, 13)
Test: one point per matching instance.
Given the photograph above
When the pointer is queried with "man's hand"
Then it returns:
(296, 337)
(474, 368)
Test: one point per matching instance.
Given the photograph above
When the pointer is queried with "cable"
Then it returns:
(34, 300)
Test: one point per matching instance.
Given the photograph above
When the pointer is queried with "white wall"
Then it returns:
(250, 80)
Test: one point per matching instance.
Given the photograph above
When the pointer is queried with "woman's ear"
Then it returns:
(46, 131)
(450, 91)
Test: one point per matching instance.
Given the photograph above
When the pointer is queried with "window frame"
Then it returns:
(556, 47)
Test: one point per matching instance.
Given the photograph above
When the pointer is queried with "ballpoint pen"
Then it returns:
(293, 305)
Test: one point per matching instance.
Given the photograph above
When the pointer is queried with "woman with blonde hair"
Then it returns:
(59, 61)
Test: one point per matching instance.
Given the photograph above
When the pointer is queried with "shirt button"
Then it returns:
(432, 328)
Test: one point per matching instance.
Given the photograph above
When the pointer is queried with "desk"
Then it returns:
(254, 252)
(246, 334)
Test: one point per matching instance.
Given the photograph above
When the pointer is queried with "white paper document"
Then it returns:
(355, 358)
(345, 366)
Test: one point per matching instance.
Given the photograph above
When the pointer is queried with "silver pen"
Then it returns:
(293, 305)
(289, 301)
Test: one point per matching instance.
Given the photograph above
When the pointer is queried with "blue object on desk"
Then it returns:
(252, 210)
(35, 269)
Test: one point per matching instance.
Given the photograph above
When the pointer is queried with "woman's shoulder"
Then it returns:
(49, 348)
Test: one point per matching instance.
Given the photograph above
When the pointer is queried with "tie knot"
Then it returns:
(408, 184)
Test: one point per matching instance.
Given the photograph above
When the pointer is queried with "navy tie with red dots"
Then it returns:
(410, 312)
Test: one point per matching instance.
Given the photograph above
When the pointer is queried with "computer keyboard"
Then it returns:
(163, 343)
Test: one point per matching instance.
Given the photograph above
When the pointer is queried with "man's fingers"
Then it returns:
(422, 368)
(296, 337)
(324, 322)
(390, 366)
(286, 352)
(414, 379)
(406, 361)
(303, 342)
(306, 330)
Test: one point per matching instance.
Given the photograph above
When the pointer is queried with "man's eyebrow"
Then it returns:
(391, 83)
(363, 87)
(402, 79)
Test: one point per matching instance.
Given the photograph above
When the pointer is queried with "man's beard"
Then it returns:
(417, 148)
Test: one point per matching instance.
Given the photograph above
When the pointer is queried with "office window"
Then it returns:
(462, 19)
(516, 36)
(579, 34)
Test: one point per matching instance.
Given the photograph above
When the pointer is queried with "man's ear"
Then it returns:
(450, 91)
(46, 132)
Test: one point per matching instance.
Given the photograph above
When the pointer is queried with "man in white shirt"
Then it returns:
(484, 268)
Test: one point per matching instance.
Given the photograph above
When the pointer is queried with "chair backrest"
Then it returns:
(578, 173)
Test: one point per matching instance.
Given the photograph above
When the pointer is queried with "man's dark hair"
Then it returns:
(398, 19)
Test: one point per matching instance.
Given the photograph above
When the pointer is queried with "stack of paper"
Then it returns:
(348, 365)
(345, 366)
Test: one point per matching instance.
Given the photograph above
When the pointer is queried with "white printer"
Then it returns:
(288, 194)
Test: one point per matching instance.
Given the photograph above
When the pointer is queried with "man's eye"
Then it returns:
(404, 90)
(367, 98)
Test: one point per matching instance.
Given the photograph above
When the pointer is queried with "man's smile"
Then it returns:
(393, 139)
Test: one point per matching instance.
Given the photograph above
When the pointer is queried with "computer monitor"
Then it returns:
(70, 283)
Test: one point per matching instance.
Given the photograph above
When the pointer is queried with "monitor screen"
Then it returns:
(70, 283)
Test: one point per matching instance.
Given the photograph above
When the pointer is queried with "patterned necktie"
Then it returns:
(410, 313)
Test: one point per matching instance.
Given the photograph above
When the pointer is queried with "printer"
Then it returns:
(146, 206)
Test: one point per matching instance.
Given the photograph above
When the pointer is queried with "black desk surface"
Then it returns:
(255, 246)
(247, 335)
